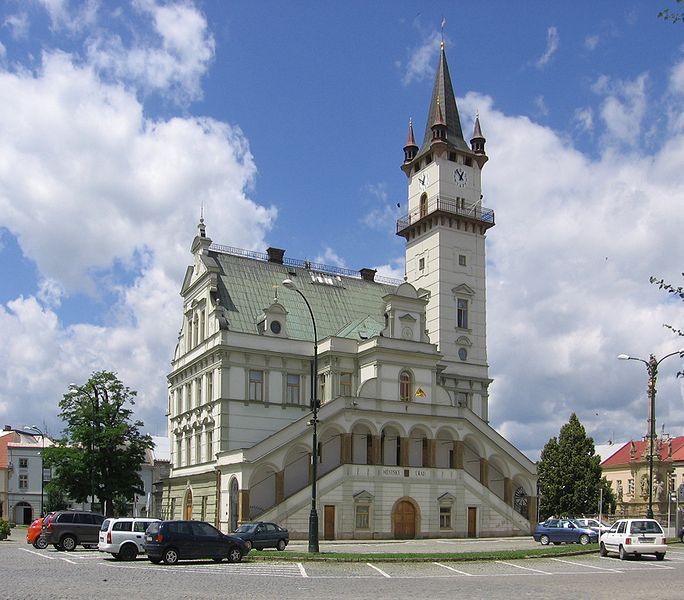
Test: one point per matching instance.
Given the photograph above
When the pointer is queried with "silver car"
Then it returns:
(124, 538)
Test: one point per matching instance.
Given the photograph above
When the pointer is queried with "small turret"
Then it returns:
(477, 143)
(438, 127)
(411, 147)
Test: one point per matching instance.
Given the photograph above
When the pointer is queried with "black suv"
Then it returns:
(172, 541)
(69, 528)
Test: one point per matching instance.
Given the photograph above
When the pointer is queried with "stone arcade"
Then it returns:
(405, 447)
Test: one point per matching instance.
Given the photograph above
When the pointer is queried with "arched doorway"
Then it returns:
(404, 520)
(23, 513)
(187, 506)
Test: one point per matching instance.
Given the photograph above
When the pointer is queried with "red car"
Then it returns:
(34, 530)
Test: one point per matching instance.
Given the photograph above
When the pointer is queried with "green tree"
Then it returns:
(570, 476)
(672, 15)
(55, 499)
(102, 448)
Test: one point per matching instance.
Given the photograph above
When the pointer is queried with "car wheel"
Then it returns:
(128, 552)
(544, 540)
(155, 561)
(623, 554)
(40, 543)
(170, 557)
(248, 545)
(602, 550)
(234, 555)
(660, 555)
(281, 545)
(69, 543)
(584, 539)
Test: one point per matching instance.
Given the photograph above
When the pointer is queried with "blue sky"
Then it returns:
(286, 122)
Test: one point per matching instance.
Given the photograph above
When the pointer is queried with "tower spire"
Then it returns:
(411, 147)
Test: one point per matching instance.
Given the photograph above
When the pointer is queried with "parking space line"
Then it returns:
(302, 570)
(39, 554)
(379, 571)
(581, 564)
(452, 569)
(503, 562)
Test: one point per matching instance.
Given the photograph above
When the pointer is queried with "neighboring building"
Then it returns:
(153, 472)
(21, 455)
(4, 474)
(405, 446)
(627, 471)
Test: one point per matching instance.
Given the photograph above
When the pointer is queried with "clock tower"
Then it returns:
(445, 231)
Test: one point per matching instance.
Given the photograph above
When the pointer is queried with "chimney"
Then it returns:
(275, 255)
(368, 274)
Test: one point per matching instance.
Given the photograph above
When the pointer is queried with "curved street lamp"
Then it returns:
(313, 516)
(42, 472)
(652, 370)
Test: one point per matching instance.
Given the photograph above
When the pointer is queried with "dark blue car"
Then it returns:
(171, 541)
(563, 531)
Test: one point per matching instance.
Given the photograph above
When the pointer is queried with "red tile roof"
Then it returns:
(622, 456)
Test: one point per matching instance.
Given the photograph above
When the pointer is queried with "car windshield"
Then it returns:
(246, 528)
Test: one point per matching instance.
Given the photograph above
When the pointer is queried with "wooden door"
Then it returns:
(404, 521)
(187, 512)
(328, 522)
(472, 521)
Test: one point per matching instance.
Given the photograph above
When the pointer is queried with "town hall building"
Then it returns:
(404, 445)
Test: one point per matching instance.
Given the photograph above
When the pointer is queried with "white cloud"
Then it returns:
(591, 41)
(540, 104)
(172, 60)
(584, 117)
(421, 65)
(552, 42)
(331, 258)
(568, 279)
(64, 17)
(90, 187)
(18, 25)
(622, 109)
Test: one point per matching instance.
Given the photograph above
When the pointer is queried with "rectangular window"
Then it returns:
(462, 314)
(188, 456)
(210, 386)
(202, 320)
(179, 444)
(210, 445)
(256, 385)
(23, 482)
(462, 260)
(461, 399)
(445, 517)
(468, 161)
(369, 449)
(198, 448)
(23, 463)
(345, 384)
(188, 396)
(292, 392)
(421, 264)
(198, 388)
(362, 516)
(321, 388)
(204, 508)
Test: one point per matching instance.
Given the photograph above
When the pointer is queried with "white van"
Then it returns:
(124, 538)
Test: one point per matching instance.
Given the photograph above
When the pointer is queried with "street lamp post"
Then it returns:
(313, 515)
(42, 472)
(652, 370)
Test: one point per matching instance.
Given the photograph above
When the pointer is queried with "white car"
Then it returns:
(634, 537)
(124, 538)
(594, 524)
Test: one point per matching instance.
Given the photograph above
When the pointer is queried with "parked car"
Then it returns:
(124, 538)
(681, 535)
(594, 524)
(563, 531)
(260, 535)
(69, 528)
(35, 529)
(634, 537)
(171, 541)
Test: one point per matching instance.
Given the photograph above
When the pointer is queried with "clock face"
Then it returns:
(275, 327)
(460, 177)
(423, 181)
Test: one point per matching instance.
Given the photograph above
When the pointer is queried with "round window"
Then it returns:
(462, 353)
(275, 327)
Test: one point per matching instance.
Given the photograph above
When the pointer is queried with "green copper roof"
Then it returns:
(343, 306)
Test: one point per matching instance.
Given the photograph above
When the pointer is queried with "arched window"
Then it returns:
(423, 206)
(405, 386)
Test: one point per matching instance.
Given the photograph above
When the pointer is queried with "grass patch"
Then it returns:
(564, 550)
